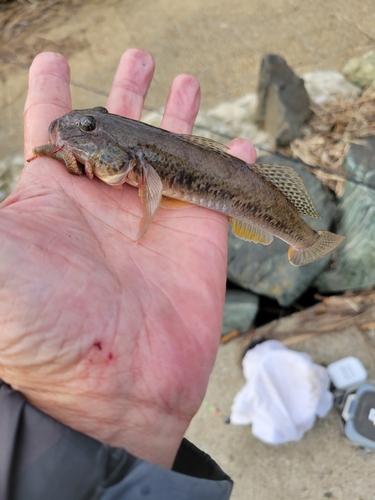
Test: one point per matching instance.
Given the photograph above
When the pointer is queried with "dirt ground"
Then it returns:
(221, 43)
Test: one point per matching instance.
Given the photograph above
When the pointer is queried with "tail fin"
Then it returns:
(324, 245)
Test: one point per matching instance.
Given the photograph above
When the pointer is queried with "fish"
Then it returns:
(173, 170)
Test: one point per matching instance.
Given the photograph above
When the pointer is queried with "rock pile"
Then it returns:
(265, 270)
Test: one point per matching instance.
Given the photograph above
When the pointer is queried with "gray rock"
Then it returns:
(283, 103)
(328, 86)
(224, 122)
(266, 270)
(239, 311)
(355, 261)
(361, 70)
(238, 117)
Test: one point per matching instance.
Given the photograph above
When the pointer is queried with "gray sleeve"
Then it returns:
(42, 459)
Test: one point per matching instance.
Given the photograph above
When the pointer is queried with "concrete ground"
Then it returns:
(221, 43)
(324, 464)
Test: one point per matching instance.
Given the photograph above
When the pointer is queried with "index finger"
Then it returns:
(48, 97)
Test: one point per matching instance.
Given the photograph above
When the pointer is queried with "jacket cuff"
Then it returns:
(40, 458)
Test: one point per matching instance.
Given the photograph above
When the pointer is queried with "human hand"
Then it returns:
(112, 338)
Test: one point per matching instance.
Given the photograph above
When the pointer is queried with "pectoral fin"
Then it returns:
(248, 232)
(150, 190)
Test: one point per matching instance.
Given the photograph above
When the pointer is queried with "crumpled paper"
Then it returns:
(284, 393)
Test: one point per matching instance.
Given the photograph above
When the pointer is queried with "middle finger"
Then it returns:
(131, 83)
(182, 105)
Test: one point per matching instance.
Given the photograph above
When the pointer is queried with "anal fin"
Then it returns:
(247, 232)
(167, 202)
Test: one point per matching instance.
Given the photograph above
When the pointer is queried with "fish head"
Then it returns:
(78, 131)
(87, 135)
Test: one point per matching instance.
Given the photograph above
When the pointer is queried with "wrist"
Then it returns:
(146, 432)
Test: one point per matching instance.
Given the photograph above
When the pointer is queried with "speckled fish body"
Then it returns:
(260, 201)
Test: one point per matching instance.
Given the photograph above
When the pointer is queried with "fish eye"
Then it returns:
(101, 109)
(87, 123)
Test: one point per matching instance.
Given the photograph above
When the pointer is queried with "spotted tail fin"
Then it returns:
(324, 245)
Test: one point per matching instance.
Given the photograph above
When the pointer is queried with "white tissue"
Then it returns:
(284, 392)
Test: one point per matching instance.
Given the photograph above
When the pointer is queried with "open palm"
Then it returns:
(114, 338)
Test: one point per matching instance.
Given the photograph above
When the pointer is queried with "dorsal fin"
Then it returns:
(205, 142)
(291, 185)
(247, 232)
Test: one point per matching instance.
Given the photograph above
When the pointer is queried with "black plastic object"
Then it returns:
(357, 409)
